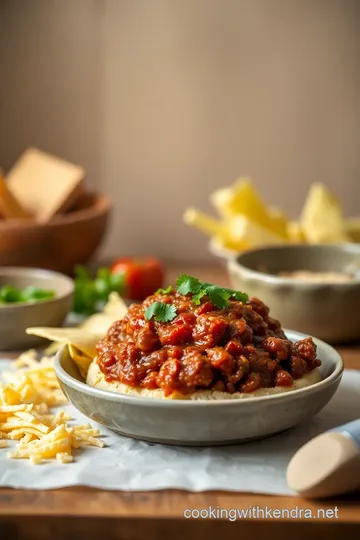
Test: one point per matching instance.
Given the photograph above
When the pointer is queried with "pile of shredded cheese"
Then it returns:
(26, 399)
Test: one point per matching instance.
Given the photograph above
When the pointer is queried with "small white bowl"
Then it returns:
(16, 317)
(201, 423)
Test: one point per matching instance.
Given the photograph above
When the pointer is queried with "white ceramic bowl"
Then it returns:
(16, 317)
(328, 310)
(185, 422)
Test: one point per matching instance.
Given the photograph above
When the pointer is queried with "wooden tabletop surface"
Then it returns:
(17, 507)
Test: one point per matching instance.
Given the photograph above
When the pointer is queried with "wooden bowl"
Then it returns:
(67, 240)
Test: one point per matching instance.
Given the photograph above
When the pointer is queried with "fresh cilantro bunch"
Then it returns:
(90, 292)
(219, 296)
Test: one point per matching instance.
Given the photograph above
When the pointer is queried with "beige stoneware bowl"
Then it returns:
(329, 311)
(201, 423)
(15, 318)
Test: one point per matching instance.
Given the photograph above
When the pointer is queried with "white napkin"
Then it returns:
(127, 464)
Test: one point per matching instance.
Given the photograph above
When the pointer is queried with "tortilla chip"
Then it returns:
(81, 339)
(81, 344)
(52, 348)
(81, 359)
(98, 324)
(115, 307)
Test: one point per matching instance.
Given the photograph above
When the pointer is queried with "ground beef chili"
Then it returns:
(236, 349)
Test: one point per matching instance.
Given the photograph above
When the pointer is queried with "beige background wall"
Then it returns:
(164, 100)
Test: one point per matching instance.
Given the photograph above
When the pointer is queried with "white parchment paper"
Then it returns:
(126, 464)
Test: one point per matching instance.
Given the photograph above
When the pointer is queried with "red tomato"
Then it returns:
(143, 276)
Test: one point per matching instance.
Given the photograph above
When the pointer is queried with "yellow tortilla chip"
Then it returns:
(295, 232)
(279, 222)
(205, 223)
(115, 307)
(223, 199)
(321, 218)
(98, 324)
(243, 199)
(242, 229)
(81, 359)
(230, 244)
(81, 344)
(81, 339)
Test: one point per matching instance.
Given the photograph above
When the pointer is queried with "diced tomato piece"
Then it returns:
(237, 327)
(298, 367)
(150, 380)
(209, 330)
(175, 352)
(252, 383)
(109, 360)
(175, 334)
(283, 378)
(205, 308)
(168, 375)
(221, 359)
(281, 348)
(235, 348)
(305, 348)
(185, 318)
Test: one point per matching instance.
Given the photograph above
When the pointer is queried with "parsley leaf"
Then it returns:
(164, 291)
(218, 296)
(187, 284)
(161, 312)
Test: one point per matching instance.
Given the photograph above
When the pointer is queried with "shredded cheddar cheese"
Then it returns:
(26, 399)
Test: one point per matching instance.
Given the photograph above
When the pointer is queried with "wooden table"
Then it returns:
(89, 513)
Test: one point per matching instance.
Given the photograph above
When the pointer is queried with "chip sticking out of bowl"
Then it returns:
(82, 341)
(321, 218)
(82, 344)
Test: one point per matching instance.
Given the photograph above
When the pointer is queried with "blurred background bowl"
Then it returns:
(69, 239)
(15, 318)
(329, 311)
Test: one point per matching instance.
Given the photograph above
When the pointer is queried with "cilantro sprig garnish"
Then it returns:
(219, 296)
(160, 312)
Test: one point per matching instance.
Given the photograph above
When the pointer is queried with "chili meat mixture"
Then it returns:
(236, 349)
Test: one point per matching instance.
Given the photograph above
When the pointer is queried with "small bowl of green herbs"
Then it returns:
(31, 297)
